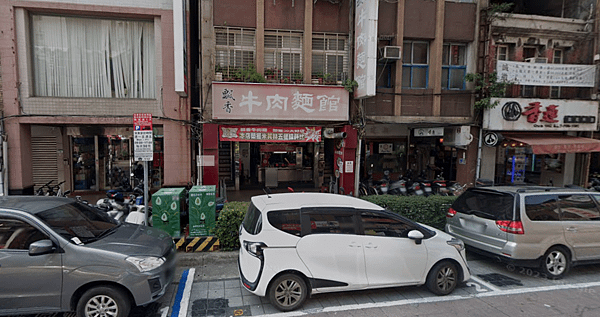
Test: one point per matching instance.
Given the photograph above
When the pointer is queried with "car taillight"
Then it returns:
(451, 213)
(515, 227)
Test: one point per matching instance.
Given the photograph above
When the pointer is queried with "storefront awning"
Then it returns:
(551, 144)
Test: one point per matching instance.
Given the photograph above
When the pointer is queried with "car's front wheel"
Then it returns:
(556, 263)
(443, 278)
(103, 301)
(288, 292)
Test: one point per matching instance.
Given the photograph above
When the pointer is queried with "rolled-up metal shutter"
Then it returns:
(43, 160)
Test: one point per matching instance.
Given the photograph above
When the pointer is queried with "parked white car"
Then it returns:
(298, 244)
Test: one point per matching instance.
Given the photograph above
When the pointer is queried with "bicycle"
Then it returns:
(41, 192)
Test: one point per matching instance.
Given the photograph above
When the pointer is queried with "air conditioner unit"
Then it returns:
(392, 52)
(539, 60)
(457, 136)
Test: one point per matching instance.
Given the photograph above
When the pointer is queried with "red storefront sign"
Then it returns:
(269, 134)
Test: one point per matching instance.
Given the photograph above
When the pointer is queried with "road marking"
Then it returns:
(478, 287)
(437, 299)
(484, 283)
(164, 311)
(182, 299)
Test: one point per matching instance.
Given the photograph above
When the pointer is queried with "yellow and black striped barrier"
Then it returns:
(197, 244)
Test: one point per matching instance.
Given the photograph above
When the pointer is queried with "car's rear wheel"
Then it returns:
(556, 263)
(443, 278)
(103, 301)
(288, 292)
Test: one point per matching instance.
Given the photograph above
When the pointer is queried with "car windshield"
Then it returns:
(78, 222)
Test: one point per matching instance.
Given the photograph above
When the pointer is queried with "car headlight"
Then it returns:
(254, 248)
(147, 263)
(458, 244)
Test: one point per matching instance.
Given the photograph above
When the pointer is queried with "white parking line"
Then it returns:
(436, 299)
(182, 298)
(486, 284)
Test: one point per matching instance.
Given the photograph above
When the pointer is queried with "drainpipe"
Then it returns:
(4, 165)
(479, 145)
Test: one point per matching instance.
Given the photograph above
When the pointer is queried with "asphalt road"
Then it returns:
(207, 284)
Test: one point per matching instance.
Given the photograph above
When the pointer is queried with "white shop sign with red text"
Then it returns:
(523, 114)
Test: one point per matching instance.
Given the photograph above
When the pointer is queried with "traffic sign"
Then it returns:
(143, 138)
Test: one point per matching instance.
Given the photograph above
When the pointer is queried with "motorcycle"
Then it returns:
(398, 188)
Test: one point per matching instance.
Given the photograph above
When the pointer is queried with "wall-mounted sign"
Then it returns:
(541, 74)
(269, 134)
(429, 131)
(386, 148)
(492, 138)
(521, 114)
(248, 101)
(143, 138)
(349, 167)
(180, 47)
(365, 48)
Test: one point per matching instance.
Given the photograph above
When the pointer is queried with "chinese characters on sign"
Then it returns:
(269, 134)
(533, 112)
(365, 55)
(538, 74)
(279, 102)
(143, 139)
(522, 114)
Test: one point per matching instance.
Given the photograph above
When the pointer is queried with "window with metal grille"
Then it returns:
(454, 67)
(330, 56)
(283, 55)
(415, 64)
(235, 49)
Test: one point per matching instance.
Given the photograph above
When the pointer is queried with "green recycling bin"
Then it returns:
(202, 210)
(167, 205)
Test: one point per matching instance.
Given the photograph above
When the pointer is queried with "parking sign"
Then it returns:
(143, 138)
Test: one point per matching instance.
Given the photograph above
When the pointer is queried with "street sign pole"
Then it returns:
(146, 193)
(143, 138)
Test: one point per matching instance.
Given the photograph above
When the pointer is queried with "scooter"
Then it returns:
(398, 188)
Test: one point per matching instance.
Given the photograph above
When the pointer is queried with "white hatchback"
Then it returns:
(298, 244)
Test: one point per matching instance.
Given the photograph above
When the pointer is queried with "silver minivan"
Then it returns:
(543, 227)
(58, 254)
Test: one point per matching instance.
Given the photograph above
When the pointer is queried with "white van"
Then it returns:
(297, 244)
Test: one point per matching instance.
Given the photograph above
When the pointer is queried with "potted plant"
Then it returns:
(328, 79)
(317, 78)
(297, 77)
(271, 74)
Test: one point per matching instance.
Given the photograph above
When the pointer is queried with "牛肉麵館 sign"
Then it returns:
(248, 101)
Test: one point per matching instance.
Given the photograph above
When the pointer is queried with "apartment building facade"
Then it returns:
(299, 121)
(74, 73)
(542, 131)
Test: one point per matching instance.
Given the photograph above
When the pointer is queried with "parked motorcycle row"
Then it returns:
(126, 205)
(406, 185)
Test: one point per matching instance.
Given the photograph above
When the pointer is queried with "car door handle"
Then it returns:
(354, 245)
(370, 246)
(572, 229)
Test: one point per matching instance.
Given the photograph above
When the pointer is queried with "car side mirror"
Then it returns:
(41, 247)
(416, 235)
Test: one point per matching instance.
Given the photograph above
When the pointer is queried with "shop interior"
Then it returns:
(272, 165)
(104, 162)
(425, 158)
(517, 164)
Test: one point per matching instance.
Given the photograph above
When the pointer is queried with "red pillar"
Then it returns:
(210, 147)
(345, 158)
